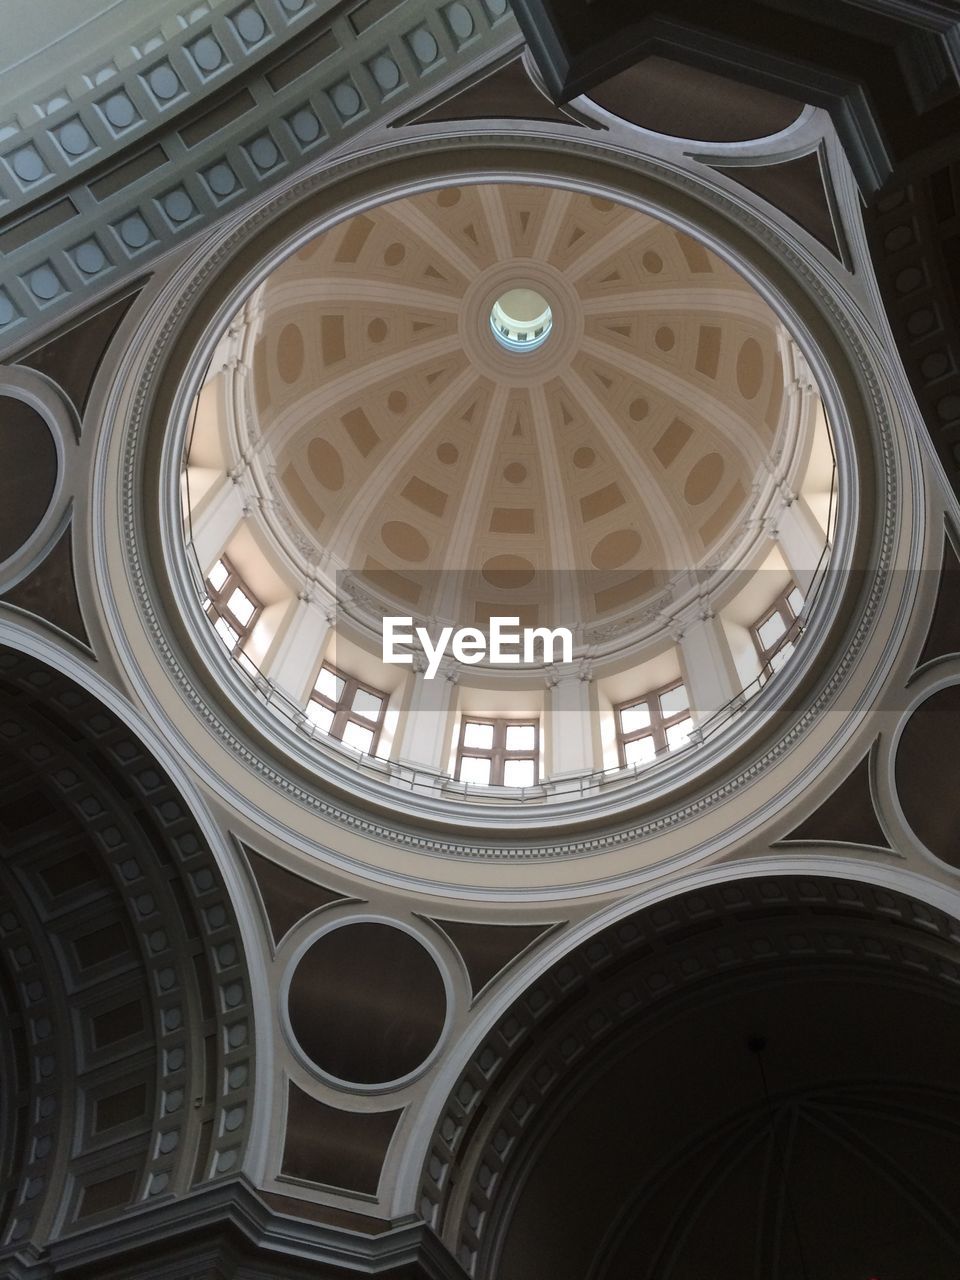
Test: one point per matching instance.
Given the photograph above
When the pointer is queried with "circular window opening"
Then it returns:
(521, 320)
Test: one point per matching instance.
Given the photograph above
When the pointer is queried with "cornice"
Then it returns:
(265, 1236)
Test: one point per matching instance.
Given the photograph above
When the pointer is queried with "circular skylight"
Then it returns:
(521, 320)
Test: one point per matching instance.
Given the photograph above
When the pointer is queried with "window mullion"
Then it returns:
(656, 722)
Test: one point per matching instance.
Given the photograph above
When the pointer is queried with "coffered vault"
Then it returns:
(664, 979)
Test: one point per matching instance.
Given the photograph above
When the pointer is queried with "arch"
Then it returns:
(126, 951)
(681, 951)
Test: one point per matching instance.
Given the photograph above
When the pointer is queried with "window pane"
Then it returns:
(674, 701)
(519, 773)
(355, 735)
(240, 606)
(475, 769)
(478, 735)
(218, 575)
(771, 630)
(634, 718)
(780, 657)
(640, 751)
(367, 705)
(226, 632)
(678, 735)
(795, 601)
(329, 685)
(521, 737)
(319, 715)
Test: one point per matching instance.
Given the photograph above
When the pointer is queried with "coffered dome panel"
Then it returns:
(626, 449)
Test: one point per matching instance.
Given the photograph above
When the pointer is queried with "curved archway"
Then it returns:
(123, 965)
(708, 1059)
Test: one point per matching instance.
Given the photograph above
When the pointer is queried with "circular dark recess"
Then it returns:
(928, 793)
(367, 1003)
(28, 475)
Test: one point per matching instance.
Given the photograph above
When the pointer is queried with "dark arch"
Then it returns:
(637, 1042)
(122, 958)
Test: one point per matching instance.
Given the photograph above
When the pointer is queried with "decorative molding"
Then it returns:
(327, 78)
(161, 1243)
(46, 399)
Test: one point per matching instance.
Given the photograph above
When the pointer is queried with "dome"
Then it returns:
(458, 478)
(507, 404)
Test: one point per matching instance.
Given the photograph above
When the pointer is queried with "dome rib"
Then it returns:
(382, 479)
(684, 391)
(343, 392)
(433, 235)
(450, 602)
(492, 204)
(635, 470)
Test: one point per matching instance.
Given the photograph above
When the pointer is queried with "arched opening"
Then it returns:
(749, 1079)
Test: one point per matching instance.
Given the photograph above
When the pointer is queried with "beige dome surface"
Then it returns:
(406, 443)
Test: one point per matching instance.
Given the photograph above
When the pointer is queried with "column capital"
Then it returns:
(448, 668)
(692, 614)
(581, 669)
(312, 591)
(782, 499)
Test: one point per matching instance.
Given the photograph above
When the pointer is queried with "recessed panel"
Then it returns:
(927, 790)
(367, 1003)
(28, 475)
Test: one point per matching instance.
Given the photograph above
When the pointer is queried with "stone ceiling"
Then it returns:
(408, 444)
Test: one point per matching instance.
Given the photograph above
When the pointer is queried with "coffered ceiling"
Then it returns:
(459, 478)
